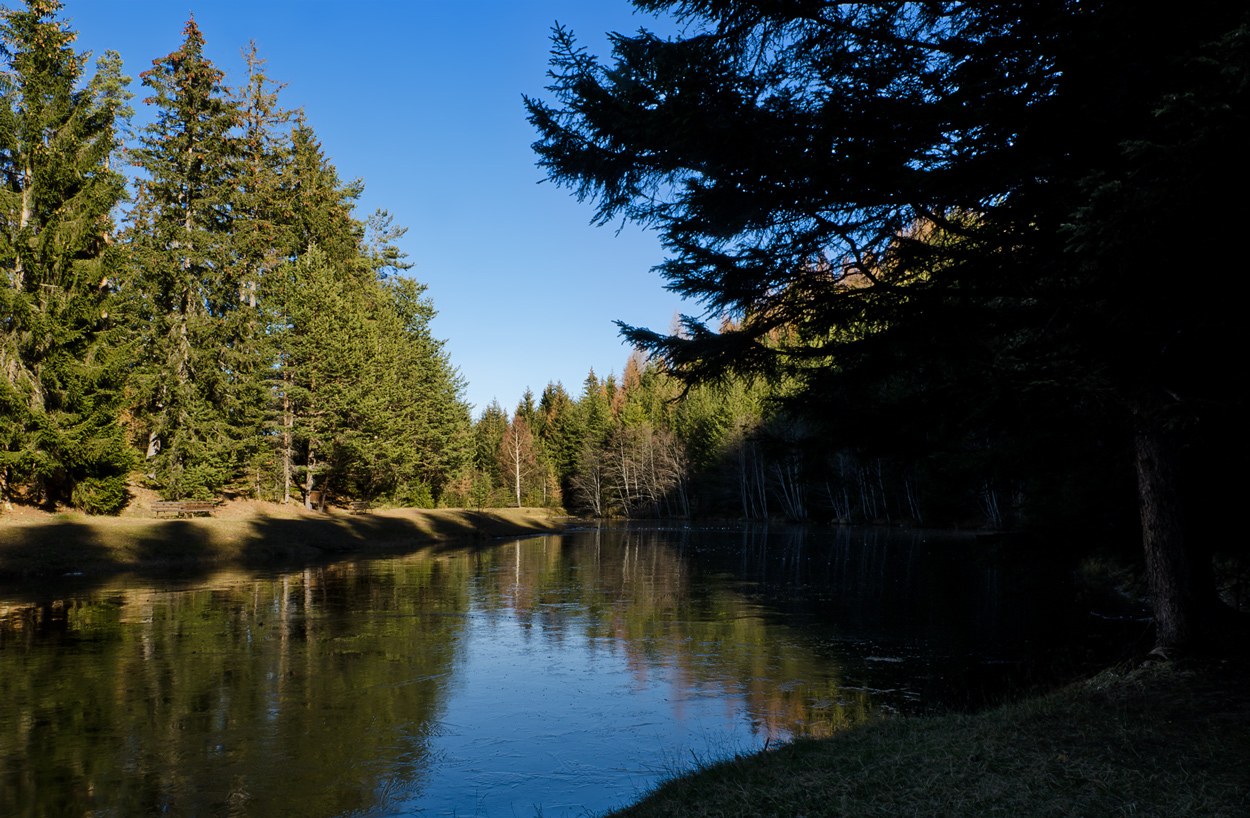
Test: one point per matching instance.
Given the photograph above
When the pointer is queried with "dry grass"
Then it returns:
(1157, 741)
(241, 533)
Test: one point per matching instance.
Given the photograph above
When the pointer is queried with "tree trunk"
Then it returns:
(19, 272)
(287, 424)
(1182, 586)
(516, 471)
(309, 475)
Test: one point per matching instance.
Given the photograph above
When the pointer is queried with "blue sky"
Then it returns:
(422, 100)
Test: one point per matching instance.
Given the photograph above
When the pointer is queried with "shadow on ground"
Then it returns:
(88, 550)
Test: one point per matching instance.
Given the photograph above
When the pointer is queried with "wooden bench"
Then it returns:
(179, 508)
(359, 507)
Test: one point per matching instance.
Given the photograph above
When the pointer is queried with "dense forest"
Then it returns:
(221, 319)
(648, 444)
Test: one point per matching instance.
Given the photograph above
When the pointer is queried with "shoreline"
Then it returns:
(1161, 739)
(78, 544)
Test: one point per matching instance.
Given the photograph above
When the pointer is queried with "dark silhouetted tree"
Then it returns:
(1072, 151)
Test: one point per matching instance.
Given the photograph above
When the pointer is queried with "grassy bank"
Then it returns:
(75, 543)
(1161, 740)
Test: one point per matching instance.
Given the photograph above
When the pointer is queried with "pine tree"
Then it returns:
(263, 239)
(562, 433)
(783, 149)
(488, 431)
(61, 348)
(199, 353)
(327, 341)
(429, 411)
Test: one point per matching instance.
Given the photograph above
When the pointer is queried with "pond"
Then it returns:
(556, 675)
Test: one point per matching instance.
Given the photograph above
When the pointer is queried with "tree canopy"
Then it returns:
(978, 211)
(236, 328)
(62, 356)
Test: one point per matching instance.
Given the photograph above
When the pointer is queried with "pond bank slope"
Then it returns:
(1160, 740)
(75, 543)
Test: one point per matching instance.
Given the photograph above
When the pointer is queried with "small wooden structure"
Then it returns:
(359, 507)
(180, 508)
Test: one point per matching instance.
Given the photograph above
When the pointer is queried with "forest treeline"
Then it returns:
(228, 321)
(225, 319)
(648, 444)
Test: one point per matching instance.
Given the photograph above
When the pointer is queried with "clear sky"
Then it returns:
(422, 100)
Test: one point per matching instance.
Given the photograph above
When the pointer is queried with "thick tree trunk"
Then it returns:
(1182, 587)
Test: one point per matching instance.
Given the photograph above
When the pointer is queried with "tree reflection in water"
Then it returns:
(564, 672)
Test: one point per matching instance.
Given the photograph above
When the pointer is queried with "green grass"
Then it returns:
(1161, 740)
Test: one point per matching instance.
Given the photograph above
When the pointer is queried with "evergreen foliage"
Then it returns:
(346, 329)
(246, 333)
(200, 344)
(63, 349)
(971, 215)
(488, 434)
(562, 430)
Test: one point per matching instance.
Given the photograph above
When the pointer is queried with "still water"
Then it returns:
(556, 675)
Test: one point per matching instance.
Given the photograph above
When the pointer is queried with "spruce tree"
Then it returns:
(61, 351)
(595, 409)
(199, 349)
(320, 204)
(562, 431)
(488, 431)
(314, 210)
(429, 411)
(325, 343)
(320, 242)
(264, 240)
(393, 423)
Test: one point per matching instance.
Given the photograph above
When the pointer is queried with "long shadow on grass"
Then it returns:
(53, 557)
(50, 559)
(55, 548)
(281, 539)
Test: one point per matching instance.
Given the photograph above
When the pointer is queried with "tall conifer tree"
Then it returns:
(428, 410)
(783, 149)
(199, 343)
(563, 431)
(60, 353)
(263, 242)
(315, 217)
